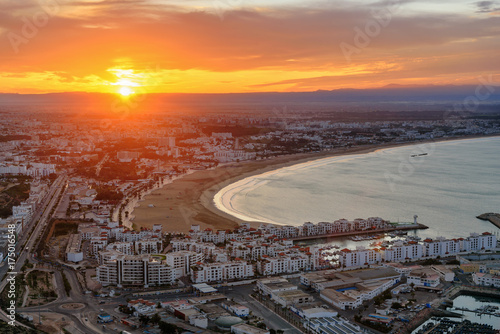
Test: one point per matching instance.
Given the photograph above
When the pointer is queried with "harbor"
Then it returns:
(455, 327)
(397, 229)
(483, 310)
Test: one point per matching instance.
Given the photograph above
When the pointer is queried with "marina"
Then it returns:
(483, 310)
(394, 228)
(455, 327)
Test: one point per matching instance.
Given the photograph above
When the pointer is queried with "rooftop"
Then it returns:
(250, 329)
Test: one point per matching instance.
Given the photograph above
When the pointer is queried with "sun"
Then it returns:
(125, 91)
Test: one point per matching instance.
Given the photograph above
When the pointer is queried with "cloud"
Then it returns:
(487, 6)
(86, 38)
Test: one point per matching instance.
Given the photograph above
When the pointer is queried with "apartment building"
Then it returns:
(359, 257)
(403, 251)
(284, 263)
(148, 246)
(120, 269)
(476, 242)
(182, 261)
(441, 247)
(219, 272)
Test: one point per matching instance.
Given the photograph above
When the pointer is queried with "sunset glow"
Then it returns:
(126, 91)
(251, 46)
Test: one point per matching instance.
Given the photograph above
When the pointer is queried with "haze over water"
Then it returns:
(450, 185)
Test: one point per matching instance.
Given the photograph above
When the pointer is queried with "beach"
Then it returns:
(189, 199)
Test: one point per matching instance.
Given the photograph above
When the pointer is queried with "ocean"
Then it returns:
(446, 184)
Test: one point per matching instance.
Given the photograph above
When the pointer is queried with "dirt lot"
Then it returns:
(41, 287)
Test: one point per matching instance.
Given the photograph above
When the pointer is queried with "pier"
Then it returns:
(485, 310)
(405, 227)
(493, 218)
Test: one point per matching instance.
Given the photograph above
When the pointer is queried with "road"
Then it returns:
(241, 294)
(40, 217)
(26, 242)
(80, 316)
(98, 167)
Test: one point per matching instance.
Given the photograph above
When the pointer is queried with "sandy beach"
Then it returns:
(189, 199)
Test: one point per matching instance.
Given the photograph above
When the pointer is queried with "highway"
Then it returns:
(27, 240)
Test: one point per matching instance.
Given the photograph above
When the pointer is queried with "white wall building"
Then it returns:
(486, 279)
(182, 261)
(359, 257)
(402, 252)
(424, 277)
(218, 272)
(120, 269)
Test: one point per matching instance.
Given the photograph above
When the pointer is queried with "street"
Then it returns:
(241, 294)
(23, 247)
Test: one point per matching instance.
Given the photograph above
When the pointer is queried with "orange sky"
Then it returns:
(212, 46)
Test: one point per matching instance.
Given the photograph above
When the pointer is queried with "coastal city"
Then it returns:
(249, 167)
(99, 234)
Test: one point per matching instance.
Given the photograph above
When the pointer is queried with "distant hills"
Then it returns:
(387, 94)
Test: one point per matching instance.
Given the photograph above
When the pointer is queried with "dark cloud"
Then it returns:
(487, 6)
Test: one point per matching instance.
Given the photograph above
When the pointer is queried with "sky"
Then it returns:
(226, 46)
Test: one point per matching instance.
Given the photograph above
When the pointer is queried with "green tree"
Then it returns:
(144, 319)
(396, 306)
(155, 319)
(167, 328)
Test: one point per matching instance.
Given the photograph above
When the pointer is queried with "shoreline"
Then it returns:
(189, 199)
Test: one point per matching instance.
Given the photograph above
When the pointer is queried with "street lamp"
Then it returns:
(39, 307)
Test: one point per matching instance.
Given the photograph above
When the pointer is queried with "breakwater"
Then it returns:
(408, 227)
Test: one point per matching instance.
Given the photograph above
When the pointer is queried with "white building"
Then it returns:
(359, 257)
(352, 298)
(424, 277)
(402, 252)
(486, 279)
(120, 269)
(142, 307)
(477, 242)
(218, 272)
(234, 155)
(235, 308)
(73, 249)
(444, 272)
(22, 212)
(182, 261)
(198, 320)
(286, 263)
(122, 247)
(292, 297)
(268, 286)
(148, 246)
(441, 247)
